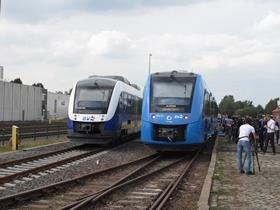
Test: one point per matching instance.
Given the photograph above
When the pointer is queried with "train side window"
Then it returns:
(120, 105)
(128, 104)
(132, 105)
(206, 104)
(135, 108)
(55, 106)
(124, 102)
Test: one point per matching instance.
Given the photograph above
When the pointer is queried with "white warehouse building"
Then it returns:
(1, 73)
(57, 105)
(28, 103)
(20, 102)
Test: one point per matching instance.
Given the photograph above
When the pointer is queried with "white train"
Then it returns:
(103, 109)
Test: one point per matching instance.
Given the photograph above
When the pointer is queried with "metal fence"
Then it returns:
(33, 131)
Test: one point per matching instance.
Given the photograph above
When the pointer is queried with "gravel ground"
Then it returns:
(36, 151)
(121, 154)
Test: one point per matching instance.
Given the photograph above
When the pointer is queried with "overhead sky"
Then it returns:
(234, 44)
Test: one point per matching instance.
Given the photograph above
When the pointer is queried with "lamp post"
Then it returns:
(150, 56)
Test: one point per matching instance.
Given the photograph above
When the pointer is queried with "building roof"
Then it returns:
(276, 110)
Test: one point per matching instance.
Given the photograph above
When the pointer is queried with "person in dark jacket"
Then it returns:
(262, 132)
(277, 132)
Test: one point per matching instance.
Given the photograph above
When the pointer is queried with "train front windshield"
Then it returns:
(171, 94)
(93, 97)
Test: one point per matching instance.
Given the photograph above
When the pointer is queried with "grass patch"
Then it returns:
(217, 177)
(29, 143)
(218, 192)
(219, 208)
(221, 158)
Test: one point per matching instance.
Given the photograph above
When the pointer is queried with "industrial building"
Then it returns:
(1, 73)
(57, 105)
(25, 103)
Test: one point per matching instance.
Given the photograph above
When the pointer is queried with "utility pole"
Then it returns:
(150, 56)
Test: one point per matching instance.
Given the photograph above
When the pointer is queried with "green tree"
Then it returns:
(227, 105)
(38, 85)
(17, 81)
(271, 105)
(238, 105)
(260, 110)
(68, 92)
(247, 111)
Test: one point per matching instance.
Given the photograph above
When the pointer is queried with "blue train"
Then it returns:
(178, 111)
(104, 109)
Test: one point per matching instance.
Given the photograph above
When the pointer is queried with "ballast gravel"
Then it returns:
(111, 157)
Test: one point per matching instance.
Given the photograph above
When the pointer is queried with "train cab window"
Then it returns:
(171, 94)
(93, 96)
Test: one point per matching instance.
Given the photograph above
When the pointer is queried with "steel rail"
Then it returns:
(30, 194)
(48, 166)
(19, 161)
(166, 194)
(118, 182)
(95, 198)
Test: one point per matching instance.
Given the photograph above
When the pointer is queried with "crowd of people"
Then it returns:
(266, 129)
(261, 131)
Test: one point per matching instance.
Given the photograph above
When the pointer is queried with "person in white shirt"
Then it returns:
(245, 131)
(270, 126)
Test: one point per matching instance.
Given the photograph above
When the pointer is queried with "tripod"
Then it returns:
(254, 152)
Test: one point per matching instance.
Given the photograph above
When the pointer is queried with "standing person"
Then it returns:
(244, 144)
(277, 132)
(261, 132)
(234, 130)
(270, 126)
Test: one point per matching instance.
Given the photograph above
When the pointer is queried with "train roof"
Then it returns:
(114, 77)
(174, 73)
(117, 78)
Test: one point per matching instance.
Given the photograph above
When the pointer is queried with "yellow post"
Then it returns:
(14, 138)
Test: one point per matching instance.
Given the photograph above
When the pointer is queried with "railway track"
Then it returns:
(18, 161)
(26, 169)
(148, 187)
(146, 183)
(70, 190)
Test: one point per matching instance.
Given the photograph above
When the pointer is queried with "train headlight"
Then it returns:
(186, 117)
(153, 116)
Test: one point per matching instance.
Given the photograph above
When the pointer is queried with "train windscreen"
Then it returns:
(93, 97)
(172, 94)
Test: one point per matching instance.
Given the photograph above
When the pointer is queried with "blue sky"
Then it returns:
(234, 44)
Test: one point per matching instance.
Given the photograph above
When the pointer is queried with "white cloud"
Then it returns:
(114, 44)
(70, 48)
(217, 38)
(270, 22)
